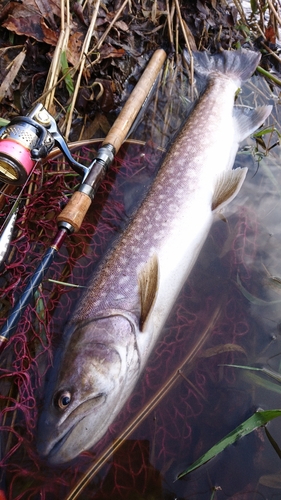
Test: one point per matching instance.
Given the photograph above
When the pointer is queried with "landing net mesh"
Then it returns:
(139, 466)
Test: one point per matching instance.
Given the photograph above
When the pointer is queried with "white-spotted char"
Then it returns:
(120, 316)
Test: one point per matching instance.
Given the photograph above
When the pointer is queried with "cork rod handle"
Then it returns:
(78, 205)
(127, 116)
(75, 210)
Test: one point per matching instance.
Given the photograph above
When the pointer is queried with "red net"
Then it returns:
(156, 451)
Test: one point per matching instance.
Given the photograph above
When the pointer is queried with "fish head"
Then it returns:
(87, 387)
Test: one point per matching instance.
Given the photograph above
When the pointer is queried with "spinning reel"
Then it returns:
(28, 139)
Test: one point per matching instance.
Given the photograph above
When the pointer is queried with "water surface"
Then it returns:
(228, 313)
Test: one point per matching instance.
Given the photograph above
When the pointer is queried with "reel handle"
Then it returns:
(77, 207)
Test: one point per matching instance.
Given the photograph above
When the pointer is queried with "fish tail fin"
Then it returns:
(239, 65)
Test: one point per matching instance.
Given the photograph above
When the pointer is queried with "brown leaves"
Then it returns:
(109, 40)
(270, 34)
(74, 47)
(108, 50)
(11, 75)
(30, 20)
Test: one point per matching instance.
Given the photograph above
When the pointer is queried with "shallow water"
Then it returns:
(228, 313)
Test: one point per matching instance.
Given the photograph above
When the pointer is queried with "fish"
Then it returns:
(119, 318)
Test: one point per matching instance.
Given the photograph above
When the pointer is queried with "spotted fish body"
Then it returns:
(120, 317)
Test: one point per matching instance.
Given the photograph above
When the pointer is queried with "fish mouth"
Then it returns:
(53, 455)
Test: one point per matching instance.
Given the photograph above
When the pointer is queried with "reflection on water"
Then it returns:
(228, 313)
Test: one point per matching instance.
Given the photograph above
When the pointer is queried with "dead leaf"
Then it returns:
(14, 69)
(270, 34)
(48, 8)
(78, 10)
(26, 21)
(75, 43)
(108, 50)
(50, 36)
(190, 36)
(213, 351)
(8, 9)
(121, 25)
(100, 122)
(271, 480)
(44, 8)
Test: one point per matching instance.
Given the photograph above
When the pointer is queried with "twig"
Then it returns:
(271, 52)
(54, 71)
(257, 26)
(239, 7)
(170, 29)
(274, 11)
(188, 47)
(99, 44)
(84, 53)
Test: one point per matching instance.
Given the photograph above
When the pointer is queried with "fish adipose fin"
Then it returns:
(238, 64)
(148, 285)
(227, 187)
(248, 120)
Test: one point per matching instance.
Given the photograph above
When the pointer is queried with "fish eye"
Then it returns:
(62, 399)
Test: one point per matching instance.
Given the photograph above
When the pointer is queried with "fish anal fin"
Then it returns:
(227, 187)
(148, 285)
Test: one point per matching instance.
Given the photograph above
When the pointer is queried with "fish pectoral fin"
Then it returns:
(227, 187)
(148, 285)
(248, 120)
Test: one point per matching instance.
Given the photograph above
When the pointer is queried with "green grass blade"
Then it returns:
(254, 300)
(3, 122)
(262, 382)
(267, 371)
(268, 130)
(258, 419)
(66, 73)
(268, 75)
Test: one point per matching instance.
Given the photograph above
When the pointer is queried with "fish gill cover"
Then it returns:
(184, 424)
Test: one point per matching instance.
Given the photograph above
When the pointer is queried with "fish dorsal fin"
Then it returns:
(227, 187)
(148, 285)
(248, 120)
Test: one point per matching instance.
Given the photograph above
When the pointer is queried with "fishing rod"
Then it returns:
(16, 163)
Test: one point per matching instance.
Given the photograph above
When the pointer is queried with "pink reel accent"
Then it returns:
(18, 153)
